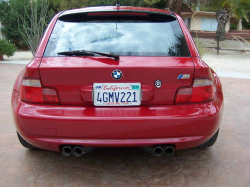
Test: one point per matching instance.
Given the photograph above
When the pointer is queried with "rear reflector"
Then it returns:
(33, 92)
(202, 91)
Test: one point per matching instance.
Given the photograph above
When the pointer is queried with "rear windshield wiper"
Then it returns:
(88, 53)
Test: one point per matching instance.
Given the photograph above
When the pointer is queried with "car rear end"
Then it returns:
(159, 92)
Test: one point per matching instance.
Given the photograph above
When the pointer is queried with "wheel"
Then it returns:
(210, 142)
(24, 143)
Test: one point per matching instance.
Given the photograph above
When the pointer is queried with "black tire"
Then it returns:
(24, 143)
(210, 142)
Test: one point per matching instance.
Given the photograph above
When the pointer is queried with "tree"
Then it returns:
(33, 29)
(225, 8)
(155, 4)
(72, 4)
(175, 5)
(12, 11)
(59, 5)
(140, 3)
(245, 22)
(9, 13)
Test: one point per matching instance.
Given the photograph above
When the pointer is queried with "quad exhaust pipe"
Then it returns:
(69, 150)
(169, 151)
(78, 151)
(160, 150)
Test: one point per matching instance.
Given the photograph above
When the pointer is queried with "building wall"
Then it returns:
(239, 25)
(228, 26)
(196, 21)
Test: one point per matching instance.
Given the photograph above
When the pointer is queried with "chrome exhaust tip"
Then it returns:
(78, 151)
(169, 151)
(158, 151)
(67, 151)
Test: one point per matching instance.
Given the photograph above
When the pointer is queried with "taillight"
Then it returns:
(201, 91)
(33, 92)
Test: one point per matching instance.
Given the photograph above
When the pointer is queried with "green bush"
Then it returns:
(201, 47)
(7, 48)
(233, 26)
(246, 23)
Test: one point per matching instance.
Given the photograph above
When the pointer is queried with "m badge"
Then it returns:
(184, 76)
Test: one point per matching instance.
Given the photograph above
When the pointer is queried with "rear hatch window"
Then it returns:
(138, 34)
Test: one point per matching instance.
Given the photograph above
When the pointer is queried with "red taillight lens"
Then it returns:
(33, 92)
(202, 91)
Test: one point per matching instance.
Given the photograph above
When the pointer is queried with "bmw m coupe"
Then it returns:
(117, 77)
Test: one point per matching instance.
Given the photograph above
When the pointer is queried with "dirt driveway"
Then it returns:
(227, 164)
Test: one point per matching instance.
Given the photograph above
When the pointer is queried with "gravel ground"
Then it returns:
(229, 62)
(226, 164)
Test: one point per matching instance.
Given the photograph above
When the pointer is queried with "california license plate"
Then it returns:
(117, 94)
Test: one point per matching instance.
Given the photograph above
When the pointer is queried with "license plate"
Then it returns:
(117, 94)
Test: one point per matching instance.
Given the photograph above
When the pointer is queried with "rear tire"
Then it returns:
(210, 142)
(24, 143)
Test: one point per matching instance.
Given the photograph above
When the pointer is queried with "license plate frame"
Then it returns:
(102, 94)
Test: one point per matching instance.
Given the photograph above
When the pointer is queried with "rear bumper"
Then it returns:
(186, 126)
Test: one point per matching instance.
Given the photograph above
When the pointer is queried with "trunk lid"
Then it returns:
(69, 75)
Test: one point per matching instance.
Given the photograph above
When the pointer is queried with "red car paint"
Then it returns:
(76, 121)
(80, 72)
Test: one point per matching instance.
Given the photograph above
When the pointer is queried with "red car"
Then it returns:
(117, 77)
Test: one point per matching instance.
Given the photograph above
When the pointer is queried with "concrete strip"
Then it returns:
(25, 62)
(240, 75)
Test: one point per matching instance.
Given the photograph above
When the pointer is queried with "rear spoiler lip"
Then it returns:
(65, 14)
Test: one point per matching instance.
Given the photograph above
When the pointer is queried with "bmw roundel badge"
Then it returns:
(117, 74)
